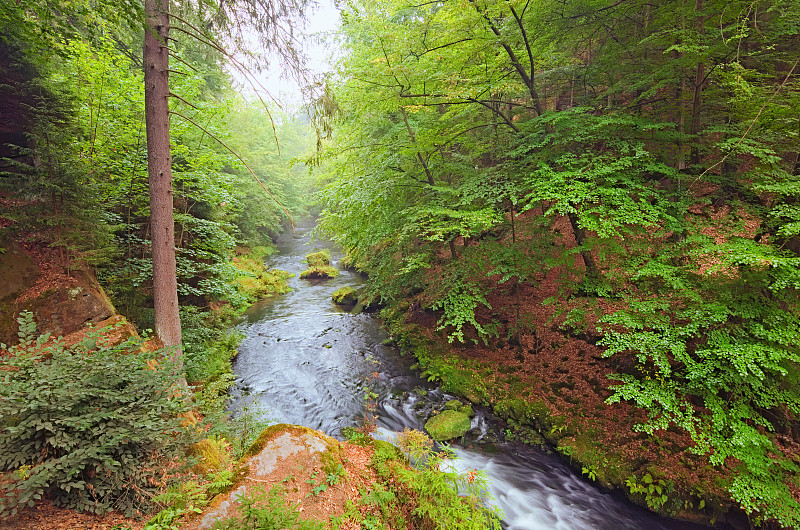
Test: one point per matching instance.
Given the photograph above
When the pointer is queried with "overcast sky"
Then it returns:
(322, 20)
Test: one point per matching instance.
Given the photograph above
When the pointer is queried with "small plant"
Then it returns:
(267, 510)
(590, 472)
(316, 488)
(415, 444)
(335, 476)
(654, 491)
(248, 423)
(369, 422)
(95, 426)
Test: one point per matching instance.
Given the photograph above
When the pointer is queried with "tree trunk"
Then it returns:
(580, 236)
(699, 79)
(159, 166)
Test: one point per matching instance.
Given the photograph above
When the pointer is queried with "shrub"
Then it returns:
(93, 426)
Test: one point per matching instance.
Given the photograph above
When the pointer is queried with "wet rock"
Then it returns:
(301, 446)
(345, 296)
(448, 425)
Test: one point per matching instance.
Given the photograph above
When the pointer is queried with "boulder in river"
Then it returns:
(345, 296)
(319, 266)
(448, 425)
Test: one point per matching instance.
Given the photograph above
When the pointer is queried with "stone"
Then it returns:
(448, 425)
(345, 296)
(301, 446)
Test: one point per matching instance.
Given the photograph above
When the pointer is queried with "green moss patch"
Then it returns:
(255, 281)
(319, 266)
(345, 296)
(448, 425)
(325, 271)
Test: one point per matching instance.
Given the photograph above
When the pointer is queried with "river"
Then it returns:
(305, 360)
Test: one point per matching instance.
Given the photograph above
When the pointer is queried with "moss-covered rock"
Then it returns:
(318, 258)
(345, 296)
(324, 271)
(453, 404)
(319, 266)
(448, 425)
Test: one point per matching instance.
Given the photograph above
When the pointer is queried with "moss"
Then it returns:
(274, 431)
(345, 296)
(448, 425)
(256, 281)
(323, 271)
(319, 258)
(453, 404)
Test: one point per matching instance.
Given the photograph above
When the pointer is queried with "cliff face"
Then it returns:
(61, 302)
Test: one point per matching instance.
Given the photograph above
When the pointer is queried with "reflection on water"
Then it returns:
(305, 361)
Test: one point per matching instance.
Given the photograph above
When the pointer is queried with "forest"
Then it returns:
(581, 215)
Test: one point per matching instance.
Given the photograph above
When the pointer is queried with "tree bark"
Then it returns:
(580, 236)
(159, 166)
(699, 79)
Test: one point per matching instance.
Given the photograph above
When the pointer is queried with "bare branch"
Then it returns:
(176, 96)
(249, 77)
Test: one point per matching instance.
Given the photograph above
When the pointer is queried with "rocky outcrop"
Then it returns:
(61, 303)
(284, 455)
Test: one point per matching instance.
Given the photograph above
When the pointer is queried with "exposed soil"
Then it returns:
(46, 516)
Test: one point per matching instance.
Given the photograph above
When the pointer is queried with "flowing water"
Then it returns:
(309, 362)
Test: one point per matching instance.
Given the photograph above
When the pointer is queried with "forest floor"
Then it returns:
(558, 364)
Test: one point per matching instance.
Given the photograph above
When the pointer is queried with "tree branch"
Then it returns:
(240, 159)
(788, 76)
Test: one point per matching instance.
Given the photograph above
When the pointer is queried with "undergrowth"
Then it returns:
(94, 426)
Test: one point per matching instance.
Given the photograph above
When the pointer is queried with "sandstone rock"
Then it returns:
(70, 308)
(264, 462)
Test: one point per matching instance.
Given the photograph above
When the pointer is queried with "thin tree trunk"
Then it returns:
(580, 236)
(419, 155)
(159, 166)
(517, 273)
(699, 79)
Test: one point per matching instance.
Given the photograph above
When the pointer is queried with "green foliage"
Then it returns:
(267, 510)
(94, 426)
(654, 491)
(344, 296)
(727, 346)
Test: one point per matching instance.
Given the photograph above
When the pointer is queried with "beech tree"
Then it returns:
(629, 124)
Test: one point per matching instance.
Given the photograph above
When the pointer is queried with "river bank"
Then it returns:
(306, 360)
(550, 389)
